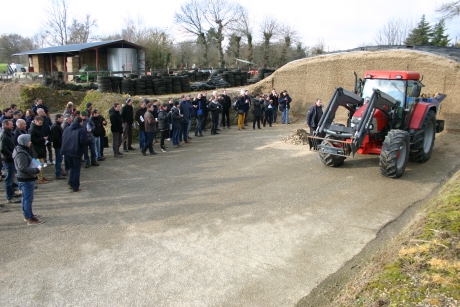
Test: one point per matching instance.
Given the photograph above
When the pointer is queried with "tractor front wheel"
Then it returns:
(395, 153)
(330, 159)
(423, 139)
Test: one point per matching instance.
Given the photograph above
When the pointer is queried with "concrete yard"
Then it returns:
(236, 219)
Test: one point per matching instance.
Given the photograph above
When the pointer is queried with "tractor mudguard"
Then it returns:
(419, 114)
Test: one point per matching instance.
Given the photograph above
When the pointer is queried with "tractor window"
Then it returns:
(409, 100)
(394, 88)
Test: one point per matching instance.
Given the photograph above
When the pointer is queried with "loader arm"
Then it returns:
(379, 100)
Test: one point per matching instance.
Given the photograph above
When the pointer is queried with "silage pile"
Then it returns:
(298, 137)
(317, 77)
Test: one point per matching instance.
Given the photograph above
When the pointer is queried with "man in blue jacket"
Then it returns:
(74, 139)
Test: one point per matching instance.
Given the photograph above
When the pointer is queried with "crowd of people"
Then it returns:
(30, 141)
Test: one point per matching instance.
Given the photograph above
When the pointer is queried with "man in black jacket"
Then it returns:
(47, 132)
(21, 128)
(141, 121)
(116, 128)
(38, 139)
(226, 109)
(74, 139)
(56, 133)
(6, 148)
(127, 118)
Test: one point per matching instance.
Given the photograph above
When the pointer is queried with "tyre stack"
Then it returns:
(116, 84)
(148, 79)
(168, 84)
(244, 78)
(139, 86)
(217, 82)
(229, 77)
(104, 84)
(159, 86)
(127, 86)
(185, 84)
(237, 75)
(132, 76)
(199, 76)
(176, 84)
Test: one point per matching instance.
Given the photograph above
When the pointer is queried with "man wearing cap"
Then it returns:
(127, 118)
(116, 128)
(74, 139)
(89, 108)
(26, 175)
(141, 121)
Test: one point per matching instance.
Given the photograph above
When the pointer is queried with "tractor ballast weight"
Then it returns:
(396, 125)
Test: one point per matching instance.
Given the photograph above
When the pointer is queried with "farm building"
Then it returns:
(115, 55)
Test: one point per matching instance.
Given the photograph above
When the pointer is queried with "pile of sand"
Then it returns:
(317, 77)
(298, 137)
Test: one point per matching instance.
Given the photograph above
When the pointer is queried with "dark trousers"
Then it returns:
(164, 134)
(214, 121)
(75, 167)
(275, 113)
(49, 149)
(205, 118)
(183, 135)
(268, 116)
(149, 142)
(226, 115)
(101, 148)
(116, 142)
(246, 117)
(127, 135)
(9, 179)
(256, 119)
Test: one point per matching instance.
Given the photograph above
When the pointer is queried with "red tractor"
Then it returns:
(385, 117)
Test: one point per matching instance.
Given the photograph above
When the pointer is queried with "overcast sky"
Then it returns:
(341, 24)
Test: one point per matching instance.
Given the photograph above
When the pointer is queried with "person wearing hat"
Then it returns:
(89, 107)
(141, 121)
(127, 118)
(285, 104)
(26, 175)
(74, 139)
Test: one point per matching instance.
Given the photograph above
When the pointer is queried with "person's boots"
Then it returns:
(94, 163)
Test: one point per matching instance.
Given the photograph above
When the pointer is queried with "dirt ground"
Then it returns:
(236, 219)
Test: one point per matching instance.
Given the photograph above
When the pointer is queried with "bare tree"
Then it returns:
(134, 31)
(289, 37)
(269, 29)
(56, 25)
(245, 28)
(221, 14)
(394, 32)
(319, 48)
(79, 32)
(449, 10)
(191, 20)
(39, 40)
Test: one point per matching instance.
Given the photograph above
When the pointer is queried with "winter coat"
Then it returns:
(163, 120)
(274, 99)
(38, 141)
(115, 120)
(47, 124)
(184, 110)
(42, 106)
(97, 122)
(258, 107)
(284, 102)
(68, 112)
(175, 118)
(227, 103)
(7, 145)
(150, 122)
(16, 134)
(311, 115)
(74, 139)
(215, 107)
(57, 131)
(88, 124)
(241, 103)
(22, 159)
(140, 112)
(127, 114)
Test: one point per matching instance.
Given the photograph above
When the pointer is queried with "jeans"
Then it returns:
(9, 179)
(268, 116)
(285, 116)
(57, 165)
(116, 142)
(142, 138)
(97, 147)
(246, 116)
(275, 113)
(175, 136)
(92, 147)
(27, 189)
(74, 176)
(199, 120)
(149, 143)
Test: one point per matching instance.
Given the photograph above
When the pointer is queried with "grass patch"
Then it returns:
(3, 67)
(422, 266)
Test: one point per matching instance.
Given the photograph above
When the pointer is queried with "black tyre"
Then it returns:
(330, 159)
(395, 153)
(423, 139)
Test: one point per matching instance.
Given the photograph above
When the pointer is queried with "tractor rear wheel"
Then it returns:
(423, 139)
(330, 159)
(395, 153)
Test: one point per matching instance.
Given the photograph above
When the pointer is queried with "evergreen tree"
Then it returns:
(420, 35)
(439, 36)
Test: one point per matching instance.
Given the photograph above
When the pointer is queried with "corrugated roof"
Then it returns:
(74, 47)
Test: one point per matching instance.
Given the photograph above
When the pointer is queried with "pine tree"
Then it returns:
(420, 35)
(439, 36)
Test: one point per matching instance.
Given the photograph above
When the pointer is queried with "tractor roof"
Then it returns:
(392, 74)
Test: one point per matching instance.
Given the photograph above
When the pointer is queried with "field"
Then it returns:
(3, 67)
